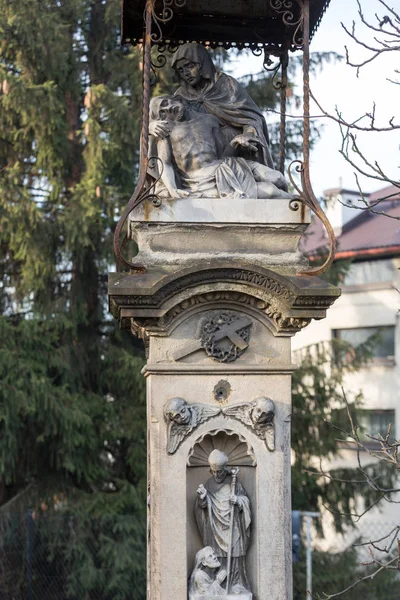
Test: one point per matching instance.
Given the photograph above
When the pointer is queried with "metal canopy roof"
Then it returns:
(221, 22)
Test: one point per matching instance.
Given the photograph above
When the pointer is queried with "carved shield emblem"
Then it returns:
(225, 335)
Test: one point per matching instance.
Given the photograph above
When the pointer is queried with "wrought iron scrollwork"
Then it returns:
(256, 51)
(273, 66)
(280, 64)
(163, 15)
(168, 46)
(296, 14)
(145, 192)
(157, 63)
(144, 188)
(307, 197)
(287, 8)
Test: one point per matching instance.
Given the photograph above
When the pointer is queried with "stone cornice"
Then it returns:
(151, 303)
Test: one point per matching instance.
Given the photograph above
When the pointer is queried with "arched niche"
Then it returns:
(240, 454)
(235, 446)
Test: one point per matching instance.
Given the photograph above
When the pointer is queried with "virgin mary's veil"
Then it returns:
(198, 54)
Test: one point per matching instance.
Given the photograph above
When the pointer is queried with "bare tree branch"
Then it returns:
(382, 46)
(382, 567)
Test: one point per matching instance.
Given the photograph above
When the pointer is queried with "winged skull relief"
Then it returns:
(259, 415)
(183, 418)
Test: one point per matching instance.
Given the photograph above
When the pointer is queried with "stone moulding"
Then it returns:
(216, 369)
(153, 303)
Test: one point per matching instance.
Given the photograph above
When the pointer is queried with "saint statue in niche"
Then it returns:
(212, 137)
(223, 515)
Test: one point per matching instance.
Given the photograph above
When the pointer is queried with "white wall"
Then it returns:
(340, 207)
(380, 383)
(364, 305)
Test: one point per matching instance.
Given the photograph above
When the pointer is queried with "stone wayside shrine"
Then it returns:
(216, 291)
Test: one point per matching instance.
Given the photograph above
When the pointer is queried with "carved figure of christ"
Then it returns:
(195, 161)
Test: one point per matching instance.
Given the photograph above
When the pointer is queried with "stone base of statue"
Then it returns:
(216, 309)
(248, 596)
(185, 232)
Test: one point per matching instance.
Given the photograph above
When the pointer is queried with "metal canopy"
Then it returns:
(223, 23)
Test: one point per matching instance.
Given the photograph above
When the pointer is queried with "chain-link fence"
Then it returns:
(46, 557)
(370, 546)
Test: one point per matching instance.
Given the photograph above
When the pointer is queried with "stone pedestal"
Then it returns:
(188, 232)
(217, 328)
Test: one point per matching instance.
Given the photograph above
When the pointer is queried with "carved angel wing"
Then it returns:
(270, 437)
(202, 412)
(176, 435)
(241, 412)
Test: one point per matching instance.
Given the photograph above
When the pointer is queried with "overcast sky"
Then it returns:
(337, 85)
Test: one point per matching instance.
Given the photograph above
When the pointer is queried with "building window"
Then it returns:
(370, 271)
(382, 337)
(375, 423)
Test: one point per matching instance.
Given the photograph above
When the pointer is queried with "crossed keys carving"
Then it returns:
(224, 336)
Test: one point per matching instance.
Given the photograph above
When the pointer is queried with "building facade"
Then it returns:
(369, 306)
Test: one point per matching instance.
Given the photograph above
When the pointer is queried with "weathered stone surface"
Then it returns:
(196, 231)
(173, 484)
(221, 210)
(223, 515)
(210, 138)
(216, 308)
(169, 310)
(153, 302)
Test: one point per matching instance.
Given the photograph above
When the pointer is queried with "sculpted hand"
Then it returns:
(159, 129)
(221, 576)
(176, 193)
(202, 492)
(234, 500)
(245, 140)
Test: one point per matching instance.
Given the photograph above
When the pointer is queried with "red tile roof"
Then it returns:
(368, 233)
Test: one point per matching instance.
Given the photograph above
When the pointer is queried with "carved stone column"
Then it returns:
(217, 326)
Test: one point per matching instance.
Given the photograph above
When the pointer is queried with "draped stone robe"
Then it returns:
(213, 520)
(227, 100)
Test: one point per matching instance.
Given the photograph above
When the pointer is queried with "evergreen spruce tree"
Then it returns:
(72, 411)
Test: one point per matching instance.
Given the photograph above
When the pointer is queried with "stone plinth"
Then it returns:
(227, 597)
(191, 231)
(217, 335)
